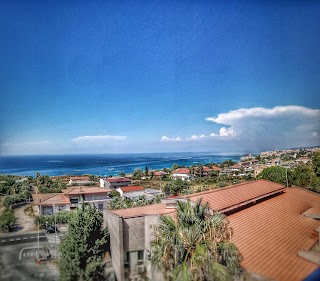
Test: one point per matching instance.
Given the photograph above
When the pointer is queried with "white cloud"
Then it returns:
(166, 139)
(261, 128)
(84, 139)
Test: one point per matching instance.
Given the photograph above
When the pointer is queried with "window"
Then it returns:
(74, 200)
(140, 255)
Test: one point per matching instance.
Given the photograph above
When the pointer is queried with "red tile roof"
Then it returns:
(215, 168)
(181, 171)
(50, 199)
(207, 169)
(156, 209)
(270, 234)
(85, 190)
(131, 188)
(110, 180)
(229, 198)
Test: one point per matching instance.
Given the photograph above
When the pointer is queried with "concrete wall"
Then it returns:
(152, 273)
(114, 224)
(133, 234)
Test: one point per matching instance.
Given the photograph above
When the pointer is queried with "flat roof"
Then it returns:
(270, 234)
(155, 209)
(232, 197)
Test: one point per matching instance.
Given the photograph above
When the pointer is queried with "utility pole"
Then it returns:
(55, 233)
(38, 254)
(287, 176)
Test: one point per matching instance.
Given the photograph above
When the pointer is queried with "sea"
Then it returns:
(103, 164)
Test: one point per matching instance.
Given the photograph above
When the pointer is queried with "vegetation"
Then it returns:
(59, 217)
(137, 174)
(194, 246)
(277, 174)
(7, 219)
(114, 193)
(83, 249)
(121, 203)
(176, 187)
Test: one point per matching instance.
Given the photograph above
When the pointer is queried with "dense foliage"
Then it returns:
(305, 175)
(59, 217)
(277, 174)
(194, 246)
(176, 187)
(118, 202)
(83, 249)
(7, 219)
(137, 174)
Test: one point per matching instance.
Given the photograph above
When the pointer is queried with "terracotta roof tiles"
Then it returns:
(269, 235)
(229, 198)
(131, 188)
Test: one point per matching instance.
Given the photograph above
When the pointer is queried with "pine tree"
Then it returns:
(83, 249)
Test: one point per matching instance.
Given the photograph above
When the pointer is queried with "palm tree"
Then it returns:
(194, 245)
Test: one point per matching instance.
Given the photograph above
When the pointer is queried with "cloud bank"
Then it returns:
(85, 139)
(262, 128)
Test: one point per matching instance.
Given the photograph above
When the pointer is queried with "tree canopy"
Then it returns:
(194, 245)
(277, 174)
(83, 249)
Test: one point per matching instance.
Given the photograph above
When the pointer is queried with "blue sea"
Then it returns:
(102, 165)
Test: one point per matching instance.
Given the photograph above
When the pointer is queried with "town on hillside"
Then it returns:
(256, 201)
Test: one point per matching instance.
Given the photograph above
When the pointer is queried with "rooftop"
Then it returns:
(229, 198)
(181, 171)
(50, 199)
(270, 234)
(84, 190)
(117, 180)
(156, 209)
(131, 188)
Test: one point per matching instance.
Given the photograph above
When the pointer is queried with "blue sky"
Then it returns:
(157, 76)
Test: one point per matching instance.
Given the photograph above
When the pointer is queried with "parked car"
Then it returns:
(52, 229)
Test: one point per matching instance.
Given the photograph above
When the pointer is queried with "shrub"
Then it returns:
(7, 219)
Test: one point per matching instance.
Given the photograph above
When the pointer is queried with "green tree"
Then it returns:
(7, 219)
(83, 249)
(277, 174)
(175, 166)
(304, 175)
(146, 172)
(316, 163)
(137, 174)
(114, 193)
(194, 246)
(122, 174)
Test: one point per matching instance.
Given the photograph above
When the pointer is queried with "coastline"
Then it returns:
(103, 164)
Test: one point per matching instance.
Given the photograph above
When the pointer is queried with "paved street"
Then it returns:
(21, 238)
(18, 256)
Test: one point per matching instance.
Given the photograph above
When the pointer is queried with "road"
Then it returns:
(22, 238)
(18, 257)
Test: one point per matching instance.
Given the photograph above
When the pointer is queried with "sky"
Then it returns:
(83, 77)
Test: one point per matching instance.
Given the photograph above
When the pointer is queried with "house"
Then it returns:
(181, 173)
(131, 192)
(203, 171)
(274, 229)
(258, 169)
(71, 198)
(216, 168)
(158, 174)
(114, 182)
(79, 180)
(130, 235)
